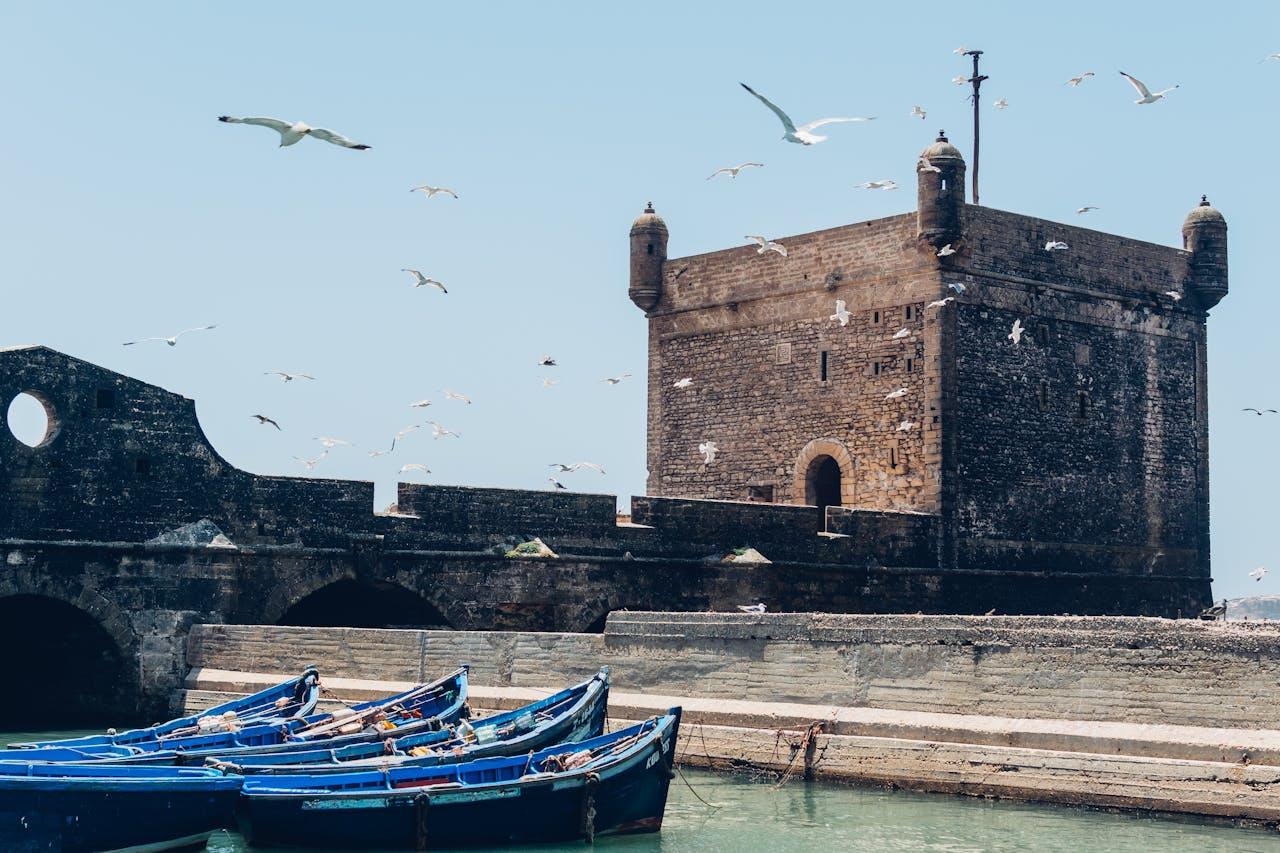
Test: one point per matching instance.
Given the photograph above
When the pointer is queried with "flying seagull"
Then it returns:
(1269, 56)
(958, 288)
(576, 466)
(312, 463)
(424, 281)
(1001, 104)
(402, 433)
(557, 485)
(1086, 208)
(708, 450)
(564, 469)
(900, 334)
(420, 404)
(293, 132)
(330, 443)
(374, 454)
(288, 377)
(767, 245)
(1015, 334)
(918, 111)
(1258, 573)
(1076, 81)
(172, 341)
(894, 395)
(1174, 295)
(842, 314)
(414, 466)
(547, 382)
(547, 361)
(682, 383)
(438, 431)
(1261, 412)
(961, 50)
(454, 395)
(263, 420)
(959, 79)
(906, 426)
(432, 192)
(801, 135)
(732, 171)
(1055, 246)
(753, 608)
(614, 380)
(1148, 97)
(923, 165)
(939, 303)
(886, 184)
(946, 251)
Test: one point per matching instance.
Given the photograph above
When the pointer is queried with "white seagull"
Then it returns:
(1076, 81)
(546, 361)
(547, 382)
(900, 334)
(312, 463)
(1258, 573)
(432, 192)
(1086, 208)
(374, 454)
(1055, 246)
(288, 377)
(420, 404)
(438, 431)
(708, 450)
(1269, 56)
(732, 171)
(414, 466)
(1174, 295)
(614, 380)
(682, 383)
(557, 485)
(577, 466)
(939, 303)
(454, 395)
(172, 341)
(1001, 104)
(895, 395)
(946, 251)
(753, 608)
(263, 420)
(330, 443)
(294, 132)
(767, 245)
(1148, 97)
(961, 50)
(842, 314)
(1015, 334)
(959, 79)
(918, 111)
(801, 135)
(886, 184)
(906, 426)
(958, 288)
(424, 281)
(923, 165)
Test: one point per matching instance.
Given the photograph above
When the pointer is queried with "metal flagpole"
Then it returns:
(976, 80)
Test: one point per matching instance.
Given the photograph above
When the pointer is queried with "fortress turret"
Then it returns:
(940, 199)
(648, 254)
(1204, 235)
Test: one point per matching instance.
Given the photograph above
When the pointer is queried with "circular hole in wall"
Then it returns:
(31, 419)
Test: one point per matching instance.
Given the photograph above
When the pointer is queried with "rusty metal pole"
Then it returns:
(976, 80)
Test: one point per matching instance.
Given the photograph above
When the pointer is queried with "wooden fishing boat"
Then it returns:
(574, 714)
(612, 784)
(292, 699)
(74, 808)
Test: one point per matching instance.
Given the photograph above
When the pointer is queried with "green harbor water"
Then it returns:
(752, 814)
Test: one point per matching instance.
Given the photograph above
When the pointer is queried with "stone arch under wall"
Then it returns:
(72, 650)
(349, 599)
(810, 458)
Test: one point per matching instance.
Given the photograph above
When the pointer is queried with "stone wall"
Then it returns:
(1104, 669)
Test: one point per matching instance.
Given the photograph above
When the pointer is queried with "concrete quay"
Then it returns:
(1105, 728)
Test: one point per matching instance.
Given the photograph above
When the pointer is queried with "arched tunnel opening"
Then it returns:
(62, 668)
(364, 604)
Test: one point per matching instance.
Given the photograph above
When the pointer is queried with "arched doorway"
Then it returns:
(822, 483)
(352, 603)
(61, 667)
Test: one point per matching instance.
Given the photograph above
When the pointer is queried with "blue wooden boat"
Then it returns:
(574, 714)
(612, 784)
(287, 700)
(423, 708)
(75, 808)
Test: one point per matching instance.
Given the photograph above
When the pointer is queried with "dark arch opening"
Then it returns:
(822, 483)
(62, 668)
(364, 604)
(597, 627)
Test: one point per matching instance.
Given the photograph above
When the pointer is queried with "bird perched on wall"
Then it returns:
(424, 281)
(614, 380)
(454, 395)
(1015, 334)
(708, 450)
(767, 245)
(287, 377)
(172, 340)
(918, 112)
(263, 420)
(842, 314)
(939, 303)
(900, 334)
(1258, 573)
(1148, 97)
(732, 171)
(432, 192)
(682, 383)
(414, 466)
(557, 485)
(802, 135)
(753, 608)
(1086, 208)
(293, 132)
(925, 165)
(1076, 81)
(896, 395)
(946, 251)
(886, 184)
(1055, 246)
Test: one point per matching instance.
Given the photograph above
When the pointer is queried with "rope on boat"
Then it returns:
(692, 791)
(813, 730)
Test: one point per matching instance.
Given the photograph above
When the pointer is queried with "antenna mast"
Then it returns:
(976, 80)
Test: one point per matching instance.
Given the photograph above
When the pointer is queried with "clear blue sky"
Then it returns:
(129, 211)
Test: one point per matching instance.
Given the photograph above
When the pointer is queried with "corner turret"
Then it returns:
(940, 196)
(1204, 235)
(648, 254)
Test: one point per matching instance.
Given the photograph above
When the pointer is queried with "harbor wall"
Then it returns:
(1118, 669)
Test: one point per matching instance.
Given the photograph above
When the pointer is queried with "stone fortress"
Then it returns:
(1067, 474)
